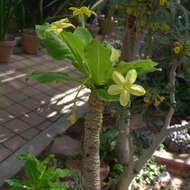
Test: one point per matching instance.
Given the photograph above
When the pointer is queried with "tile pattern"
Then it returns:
(28, 107)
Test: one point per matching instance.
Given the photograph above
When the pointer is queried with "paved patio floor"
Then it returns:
(27, 108)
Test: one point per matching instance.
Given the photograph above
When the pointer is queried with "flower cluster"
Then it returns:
(82, 11)
(164, 2)
(58, 26)
(177, 47)
(153, 98)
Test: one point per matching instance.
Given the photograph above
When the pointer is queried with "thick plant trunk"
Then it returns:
(132, 42)
(93, 124)
(124, 140)
(135, 167)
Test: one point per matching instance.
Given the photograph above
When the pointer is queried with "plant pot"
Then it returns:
(6, 49)
(30, 43)
(178, 164)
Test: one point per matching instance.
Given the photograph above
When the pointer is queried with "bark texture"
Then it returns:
(124, 140)
(93, 124)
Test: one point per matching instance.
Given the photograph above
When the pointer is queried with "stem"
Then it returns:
(124, 141)
(93, 124)
(82, 20)
(148, 45)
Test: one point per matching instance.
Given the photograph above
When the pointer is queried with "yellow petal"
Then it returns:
(76, 12)
(86, 11)
(131, 77)
(124, 98)
(115, 89)
(115, 55)
(147, 100)
(73, 8)
(72, 117)
(137, 90)
(118, 78)
(92, 12)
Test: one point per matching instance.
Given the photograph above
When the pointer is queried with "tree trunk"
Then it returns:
(93, 124)
(134, 168)
(123, 147)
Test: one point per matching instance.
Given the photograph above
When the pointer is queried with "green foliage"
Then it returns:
(102, 94)
(117, 171)
(95, 60)
(141, 66)
(49, 77)
(150, 173)
(8, 10)
(39, 175)
(98, 60)
(108, 142)
(83, 34)
(56, 47)
(78, 181)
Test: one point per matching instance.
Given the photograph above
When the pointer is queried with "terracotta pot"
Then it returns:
(6, 49)
(176, 163)
(30, 43)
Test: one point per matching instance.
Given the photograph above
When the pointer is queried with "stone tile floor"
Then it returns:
(28, 107)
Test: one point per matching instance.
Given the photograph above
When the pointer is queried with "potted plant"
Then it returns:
(30, 42)
(7, 16)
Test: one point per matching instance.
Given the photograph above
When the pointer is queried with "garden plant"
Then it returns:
(113, 78)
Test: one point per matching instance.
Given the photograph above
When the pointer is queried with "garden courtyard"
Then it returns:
(94, 95)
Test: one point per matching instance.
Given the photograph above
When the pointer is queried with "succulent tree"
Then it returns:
(101, 69)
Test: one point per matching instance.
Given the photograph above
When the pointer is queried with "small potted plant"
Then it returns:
(30, 42)
(7, 16)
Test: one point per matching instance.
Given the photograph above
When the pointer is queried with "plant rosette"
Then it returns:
(98, 62)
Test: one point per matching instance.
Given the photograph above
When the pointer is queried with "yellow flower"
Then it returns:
(58, 26)
(147, 100)
(163, 2)
(158, 100)
(125, 86)
(103, 184)
(162, 98)
(72, 118)
(177, 50)
(142, 23)
(113, 112)
(82, 11)
(177, 43)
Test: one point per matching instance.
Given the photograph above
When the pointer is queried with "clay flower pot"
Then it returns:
(30, 43)
(6, 49)
(176, 163)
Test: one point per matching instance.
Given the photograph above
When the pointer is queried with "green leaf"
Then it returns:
(17, 184)
(58, 186)
(49, 77)
(76, 46)
(98, 60)
(63, 172)
(141, 66)
(31, 166)
(55, 45)
(103, 94)
(83, 34)
(47, 159)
